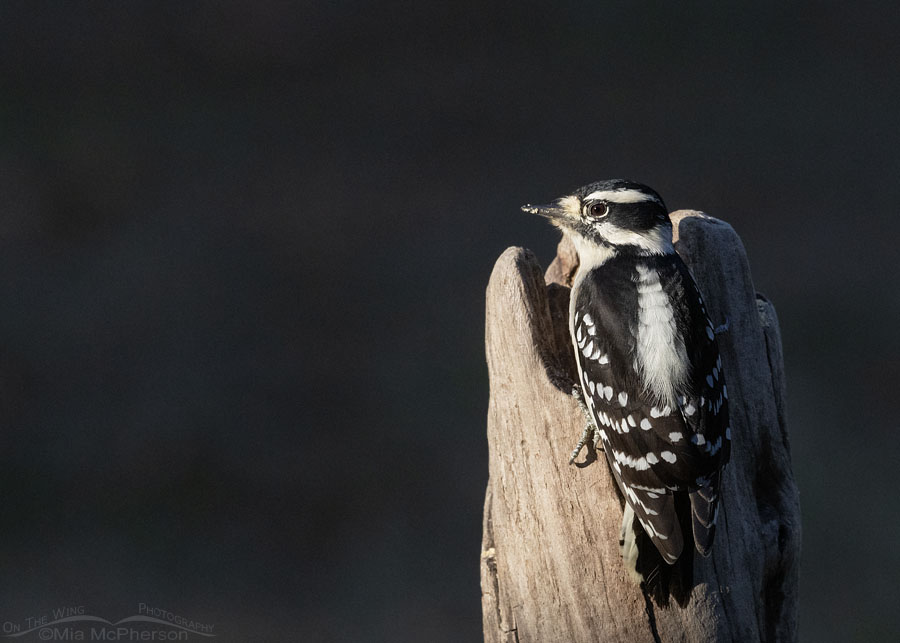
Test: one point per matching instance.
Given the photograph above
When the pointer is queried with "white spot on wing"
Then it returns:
(645, 424)
(623, 398)
(644, 488)
(675, 436)
(668, 456)
(639, 464)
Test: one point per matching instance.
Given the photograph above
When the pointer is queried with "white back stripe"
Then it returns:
(661, 352)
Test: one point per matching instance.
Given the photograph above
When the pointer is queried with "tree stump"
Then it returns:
(550, 563)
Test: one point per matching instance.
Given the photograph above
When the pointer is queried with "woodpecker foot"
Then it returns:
(590, 433)
(579, 397)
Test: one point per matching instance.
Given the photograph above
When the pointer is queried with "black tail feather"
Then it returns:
(704, 509)
(661, 580)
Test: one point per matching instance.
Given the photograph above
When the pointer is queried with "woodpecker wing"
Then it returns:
(704, 409)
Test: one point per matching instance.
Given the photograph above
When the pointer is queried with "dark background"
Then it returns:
(243, 253)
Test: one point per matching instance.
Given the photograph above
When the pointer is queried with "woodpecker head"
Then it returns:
(614, 215)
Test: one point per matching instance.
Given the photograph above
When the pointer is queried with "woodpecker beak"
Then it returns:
(552, 211)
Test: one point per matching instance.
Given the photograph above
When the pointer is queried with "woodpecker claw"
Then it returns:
(590, 431)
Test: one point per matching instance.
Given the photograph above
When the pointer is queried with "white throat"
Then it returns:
(590, 255)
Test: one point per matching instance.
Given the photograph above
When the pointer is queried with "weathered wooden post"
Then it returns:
(550, 563)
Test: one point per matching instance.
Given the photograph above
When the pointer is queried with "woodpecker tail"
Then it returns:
(646, 566)
(704, 511)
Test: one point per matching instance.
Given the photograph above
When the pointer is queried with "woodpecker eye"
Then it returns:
(599, 209)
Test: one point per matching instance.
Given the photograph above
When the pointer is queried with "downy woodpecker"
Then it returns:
(648, 363)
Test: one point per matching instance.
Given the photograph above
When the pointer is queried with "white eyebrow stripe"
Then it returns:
(621, 196)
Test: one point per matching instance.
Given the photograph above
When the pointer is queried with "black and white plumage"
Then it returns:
(648, 364)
